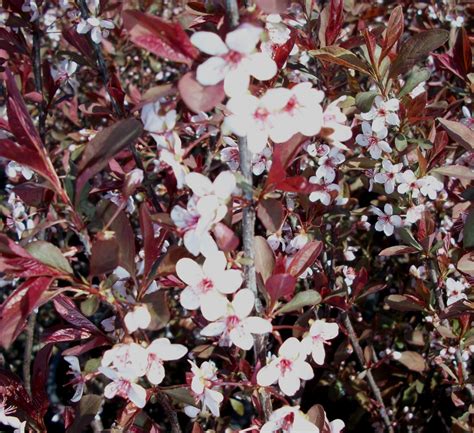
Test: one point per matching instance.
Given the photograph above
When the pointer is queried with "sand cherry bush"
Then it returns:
(236, 216)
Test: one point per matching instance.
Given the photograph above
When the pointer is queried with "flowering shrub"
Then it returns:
(232, 216)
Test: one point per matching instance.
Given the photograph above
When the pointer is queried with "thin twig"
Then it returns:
(446, 324)
(102, 66)
(170, 412)
(370, 378)
(28, 352)
(38, 78)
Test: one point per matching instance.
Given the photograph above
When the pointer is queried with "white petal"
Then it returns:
(189, 299)
(224, 184)
(243, 303)
(209, 43)
(213, 306)
(290, 348)
(318, 352)
(261, 66)
(200, 184)
(241, 338)
(213, 329)
(137, 395)
(212, 71)
(215, 264)
(257, 325)
(289, 384)
(244, 39)
(236, 82)
(155, 373)
(268, 375)
(189, 271)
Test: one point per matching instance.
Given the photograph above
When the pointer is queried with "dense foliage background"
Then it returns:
(236, 216)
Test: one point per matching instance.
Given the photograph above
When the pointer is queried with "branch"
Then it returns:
(248, 231)
(370, 378)
(30, 336)
(169, 409)
(39, 79)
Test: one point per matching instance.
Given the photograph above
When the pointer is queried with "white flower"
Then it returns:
(13, 169)
(129, 360)
(212, 196)
(383, 113)
(79, 383)
(276, 241)
(234, 326)
(32, 7)
(328, 163)
(323, 194)
(158, 351)
(373, 140)
(6, 417)
(334, 118)
(288, 368)
(288, 419)
(430, 186)
(99, 28)
(386, 220)
(414, 213)
(138, 318)
(173, 156)
(159, 125)
(202, 383)
(467, 120)
(319, 334)
(278, 32)
(207, 284)
(123, 386)
(295, 110)
(65, 71)
(389, 175)
(233, 61)
(349, 275)
(196, 229)
(454, 290)
(408, 182)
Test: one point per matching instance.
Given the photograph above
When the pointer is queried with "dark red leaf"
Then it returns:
(198, 97)
(17, 307)
(305, 258)
(104, 256)
(60, 334)
(151, 244)
(40, 375)
(163, 38)
(225, 237)
(86, 347)
(335, 21)
(271, 213)
(394, 31)
(67, 309)
(280, 286)
(272, 6)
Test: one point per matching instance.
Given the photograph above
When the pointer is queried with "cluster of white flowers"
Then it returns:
(290, 366)
(98, 27)
(125, 364)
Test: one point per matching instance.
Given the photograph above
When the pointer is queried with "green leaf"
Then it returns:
(416, 77)
(237, 406)
(342, 57)
(408, 238)
(468, 233)
(468, 194)
(400, 142)
(417, 48)
(364, 100)
(181, 395)
(50, 255)
(86, 411)
(90, 305)
(302, 299)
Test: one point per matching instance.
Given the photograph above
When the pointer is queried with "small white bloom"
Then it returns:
(430, 186)
(13, 169)
(386, 220)
(6, 417)
(414, 214)
(99, 28)
(79, 383)
(323, 194)
(319, 334)
(328, 163)
(373, 140)
(235, 326)
(288, 419)
(207, 284)
(455, 290)
(202, 384)
(288, 368)
(383, 113)
(158, 351)
(233, 61)
(138, 318)
(408, 183)
(389, 175)
(123, 386)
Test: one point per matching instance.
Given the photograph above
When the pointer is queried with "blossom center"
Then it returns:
(207, 285)
(285, 365)
(233, 57)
